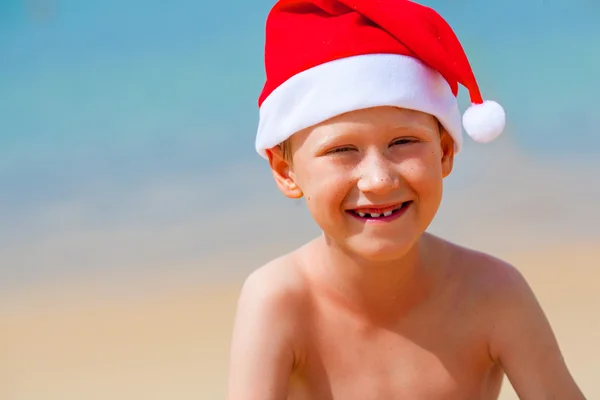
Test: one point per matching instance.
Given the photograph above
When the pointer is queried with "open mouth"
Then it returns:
(382, 214)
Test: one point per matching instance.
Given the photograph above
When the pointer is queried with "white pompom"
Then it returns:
(484, 122)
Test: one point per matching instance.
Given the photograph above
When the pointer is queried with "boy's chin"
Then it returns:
(380, 250)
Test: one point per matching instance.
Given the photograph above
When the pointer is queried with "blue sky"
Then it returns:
(125, 93)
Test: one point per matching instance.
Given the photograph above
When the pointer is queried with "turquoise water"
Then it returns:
(116, 77)
(112, 97)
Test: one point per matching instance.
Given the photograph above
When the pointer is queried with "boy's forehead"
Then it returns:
(373, 118)
(385, 114)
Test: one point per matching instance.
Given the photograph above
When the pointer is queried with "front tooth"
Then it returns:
(387, 213)
(375, 215)
(362, 215)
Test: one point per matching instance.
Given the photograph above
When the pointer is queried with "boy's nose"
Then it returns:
(377, 176)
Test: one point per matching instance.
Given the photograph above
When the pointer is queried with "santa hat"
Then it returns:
(327, 57)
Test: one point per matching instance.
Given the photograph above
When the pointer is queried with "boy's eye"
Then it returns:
(403, 141)
(340, 149)
(343, 149)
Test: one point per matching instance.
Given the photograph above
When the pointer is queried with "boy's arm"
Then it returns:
(524, 344)
(262, 356)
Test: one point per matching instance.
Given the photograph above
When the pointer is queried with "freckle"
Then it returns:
(307, 198)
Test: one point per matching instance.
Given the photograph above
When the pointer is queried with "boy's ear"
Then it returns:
(283, 173)
(447, 144)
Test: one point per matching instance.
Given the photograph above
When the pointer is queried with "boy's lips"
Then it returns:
(379, 211)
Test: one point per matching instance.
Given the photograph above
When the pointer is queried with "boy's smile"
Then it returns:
(383, 213)
(372, 178)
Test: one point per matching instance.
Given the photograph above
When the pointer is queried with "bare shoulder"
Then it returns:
(276, 289)
(521, 338)
(496, 286)
(489, 276)
(280, 279)
(499, 285)
(268, 325)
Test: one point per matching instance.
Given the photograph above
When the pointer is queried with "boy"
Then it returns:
(359, 116)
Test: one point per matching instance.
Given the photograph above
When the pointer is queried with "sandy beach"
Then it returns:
(171, 340)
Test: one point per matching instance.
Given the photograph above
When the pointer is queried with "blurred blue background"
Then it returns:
(103, 102)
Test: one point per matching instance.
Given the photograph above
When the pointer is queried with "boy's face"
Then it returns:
(366, 163)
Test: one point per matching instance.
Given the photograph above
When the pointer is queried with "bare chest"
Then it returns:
(427, 357)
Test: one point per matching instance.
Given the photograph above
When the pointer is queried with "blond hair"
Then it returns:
(286, 149)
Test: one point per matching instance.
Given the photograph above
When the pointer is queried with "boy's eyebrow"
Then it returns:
(329, 139)
(415, 127)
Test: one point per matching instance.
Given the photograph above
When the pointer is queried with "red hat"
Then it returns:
(327, 57)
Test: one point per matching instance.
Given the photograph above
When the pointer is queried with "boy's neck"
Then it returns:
(376, 289)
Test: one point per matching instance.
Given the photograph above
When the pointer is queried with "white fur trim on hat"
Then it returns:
(354, 83)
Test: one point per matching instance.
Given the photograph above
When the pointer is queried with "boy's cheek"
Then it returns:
(426, 182)
(420, 171)
(326, 194)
